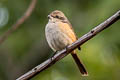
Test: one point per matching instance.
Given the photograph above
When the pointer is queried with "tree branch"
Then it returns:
(19, 21)
(46, 64)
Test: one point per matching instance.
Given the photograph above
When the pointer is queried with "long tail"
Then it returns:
(79, 64)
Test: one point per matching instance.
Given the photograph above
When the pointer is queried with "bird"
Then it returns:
(59, 34)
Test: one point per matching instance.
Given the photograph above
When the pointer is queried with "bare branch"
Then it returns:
(19, 21)
(46, 64)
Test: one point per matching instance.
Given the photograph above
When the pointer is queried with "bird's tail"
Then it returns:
(79, 64)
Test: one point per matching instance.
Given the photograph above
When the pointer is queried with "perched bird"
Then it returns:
(59, 34)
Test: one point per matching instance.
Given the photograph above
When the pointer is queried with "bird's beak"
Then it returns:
(48, 16)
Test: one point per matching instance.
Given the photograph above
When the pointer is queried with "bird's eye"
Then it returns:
(57, 16)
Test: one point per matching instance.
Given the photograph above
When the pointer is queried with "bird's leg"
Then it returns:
(53, 55)
(66, 49)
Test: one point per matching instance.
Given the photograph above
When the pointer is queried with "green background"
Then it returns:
(27, 47)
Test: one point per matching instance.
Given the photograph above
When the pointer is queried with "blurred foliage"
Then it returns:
(27, 47)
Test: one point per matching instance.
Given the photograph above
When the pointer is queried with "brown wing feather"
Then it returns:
(67, 22)
(67, 28)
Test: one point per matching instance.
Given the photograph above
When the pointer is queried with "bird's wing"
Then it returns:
(65, 27)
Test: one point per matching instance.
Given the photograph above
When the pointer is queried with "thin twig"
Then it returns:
(46, 64)
(19, 21)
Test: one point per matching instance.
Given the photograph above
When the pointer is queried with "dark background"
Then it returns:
(27, 46)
